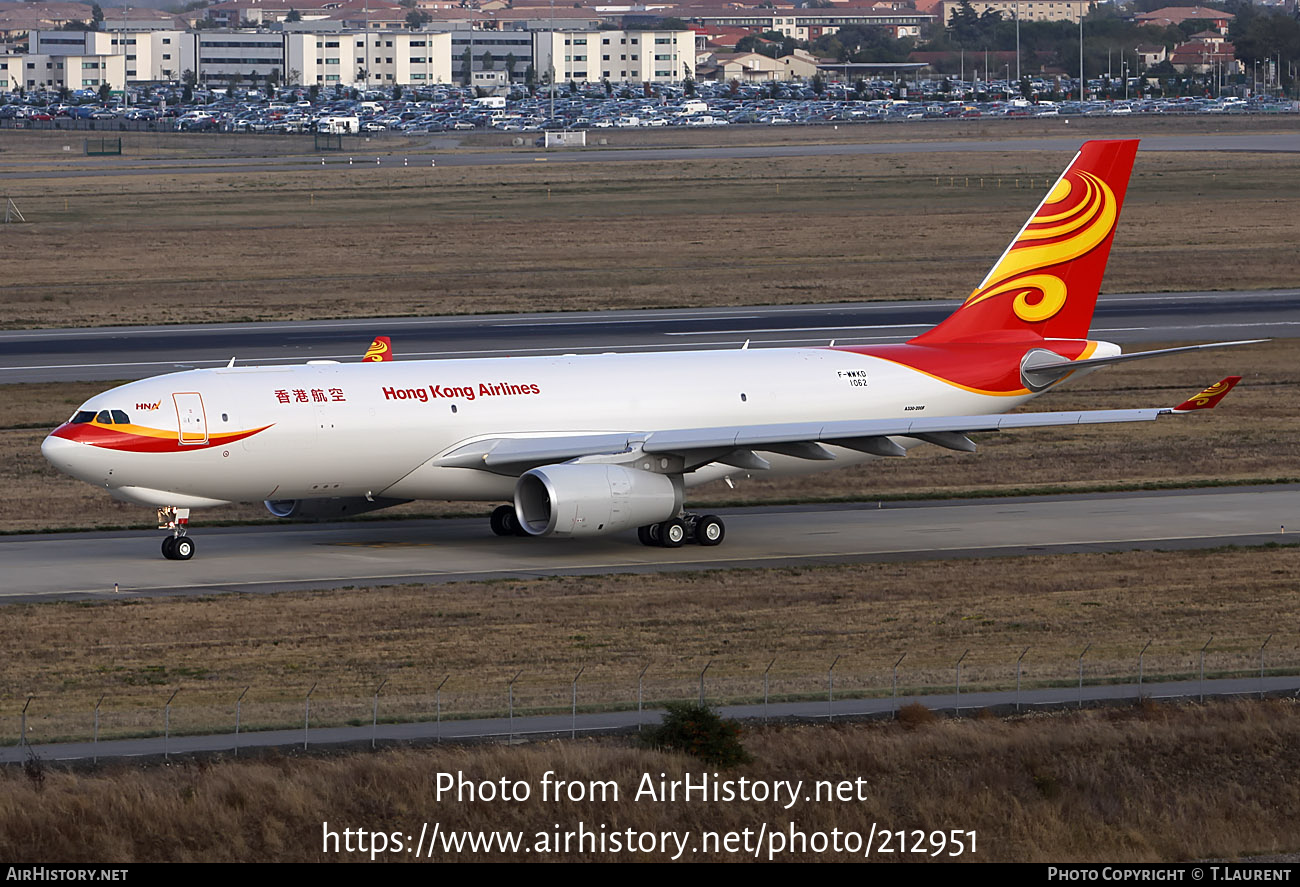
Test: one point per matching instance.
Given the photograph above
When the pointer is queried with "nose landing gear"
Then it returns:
(178, 546)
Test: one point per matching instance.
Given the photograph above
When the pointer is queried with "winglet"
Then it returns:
(380, 349)
(1209, 398)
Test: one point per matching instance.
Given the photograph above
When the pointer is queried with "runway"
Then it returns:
(288, 557)
(393, 152)
(111, 353)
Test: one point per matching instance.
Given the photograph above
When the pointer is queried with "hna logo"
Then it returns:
(149, 406)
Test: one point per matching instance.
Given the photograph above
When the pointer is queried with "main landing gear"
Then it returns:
(505, 522)
(178, 546)
(705, 529)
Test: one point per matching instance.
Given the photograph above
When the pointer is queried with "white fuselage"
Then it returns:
(376, 429)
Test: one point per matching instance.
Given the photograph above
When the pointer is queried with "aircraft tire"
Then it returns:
(169, 547)
(503, 520)
(672, 533)
(184, 548)
(643, 534)
(710, 530)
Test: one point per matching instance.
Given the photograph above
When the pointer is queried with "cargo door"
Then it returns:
(192, 423)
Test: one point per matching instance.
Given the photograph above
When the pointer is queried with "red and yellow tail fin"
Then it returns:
(380, 349)
(1046, 283)
(1210, 397)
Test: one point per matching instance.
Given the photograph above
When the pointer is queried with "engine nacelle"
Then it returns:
(327, 509)
(593, 499)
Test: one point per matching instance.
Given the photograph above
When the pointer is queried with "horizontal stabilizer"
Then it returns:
(1041, 367)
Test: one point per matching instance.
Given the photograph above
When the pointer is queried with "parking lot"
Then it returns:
(442, 109)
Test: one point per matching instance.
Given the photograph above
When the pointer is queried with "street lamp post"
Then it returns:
(1081, 81)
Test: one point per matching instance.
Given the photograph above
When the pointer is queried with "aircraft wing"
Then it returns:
(737, 444)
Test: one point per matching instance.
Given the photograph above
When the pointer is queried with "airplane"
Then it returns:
(588, 445)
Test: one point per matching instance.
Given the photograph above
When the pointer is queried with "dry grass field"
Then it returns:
(137, 652)
(1254, 436)
(1151, 784)
(341, 242)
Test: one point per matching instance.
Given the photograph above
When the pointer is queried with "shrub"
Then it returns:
(915, 715)
(697, 730)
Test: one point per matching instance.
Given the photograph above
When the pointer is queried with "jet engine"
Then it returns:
(593, 499)
(327, 509)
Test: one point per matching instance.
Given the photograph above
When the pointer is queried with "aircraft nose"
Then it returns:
(67, 456)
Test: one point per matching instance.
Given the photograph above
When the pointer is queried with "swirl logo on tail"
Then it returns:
(1076, 217)
(380, 349)
(1045, 284)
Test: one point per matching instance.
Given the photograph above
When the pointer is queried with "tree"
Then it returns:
(487, 61)
(530, 77)
(511, 63)
(818, 84)
(397, 92)
(467, 65)
(688, 87)
(293, 77)
(105, 91)
(609, 87)
(964, 24)
(417, 18)
(293, 16)
(313, 92)
(97, 16)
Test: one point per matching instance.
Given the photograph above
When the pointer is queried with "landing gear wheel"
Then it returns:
(183, 548)
(503, 520)
(710, 530)
(643, 533)
(672, 533)
(169, 548)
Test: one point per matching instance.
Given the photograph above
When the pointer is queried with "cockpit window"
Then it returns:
(104, 418)
(82, 417)
(120, 418)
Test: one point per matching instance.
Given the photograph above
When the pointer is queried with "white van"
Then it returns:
(338, 125)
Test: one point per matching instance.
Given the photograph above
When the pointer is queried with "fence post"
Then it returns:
(573, 724)
(1021, 659)
(374, 715)
(895, 683)
(167, 725)
(769, 668)
(1081, 655)
(958, 703)
(95, 758)
(706, 668)
(438, 697)
(510, 699)
(1142, 667)
(830, 684)
(639, 684)
(1203, 649)
(22, 727)
(239, 704)
(306, 715)
(1261, 665)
